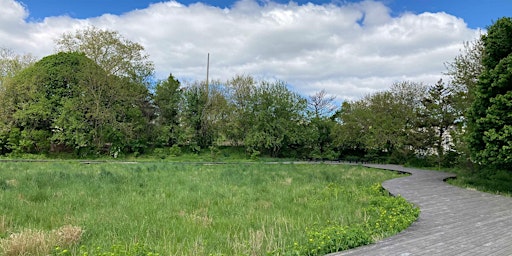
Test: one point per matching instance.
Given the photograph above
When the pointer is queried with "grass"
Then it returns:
(491, 181)
(192, 209)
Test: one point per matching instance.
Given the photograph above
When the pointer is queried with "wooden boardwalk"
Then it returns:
(453, 221)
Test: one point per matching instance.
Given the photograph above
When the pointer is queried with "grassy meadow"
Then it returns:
(193, 209)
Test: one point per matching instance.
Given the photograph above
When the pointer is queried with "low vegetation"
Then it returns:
(71, 208)
(491, 181)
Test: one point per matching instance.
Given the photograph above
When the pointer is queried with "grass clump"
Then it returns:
(37, 242)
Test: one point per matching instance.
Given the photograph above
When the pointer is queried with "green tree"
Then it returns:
(12, 63)
(167, 99)
(383, 123)
(34, 99)
(241, 102)
(196, 117)
(349, 136)
(437, 118)
(464, 71)
(67, 101)
(279, 120)
(114, 53)
(322, 107)
(490, 119)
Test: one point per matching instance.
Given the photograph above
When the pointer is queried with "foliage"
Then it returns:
(491, 181)
(322, 108)
(437, 118)
(111, 51)
(196, 119)
(12, 63)
(99, 100)
(464, 71)
(278, 123)
(381, 124)
(167, 99)
(66, 102)
(489, 123)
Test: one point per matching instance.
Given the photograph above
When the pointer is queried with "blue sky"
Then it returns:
(476, 13)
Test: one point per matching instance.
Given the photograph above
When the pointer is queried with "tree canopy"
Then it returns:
(111, 51)
(490, 118)
(98, 97)
(67, 101)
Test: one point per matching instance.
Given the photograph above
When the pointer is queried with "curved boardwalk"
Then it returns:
(453, 221)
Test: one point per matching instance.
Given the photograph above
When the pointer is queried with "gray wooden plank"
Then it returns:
(453, 221)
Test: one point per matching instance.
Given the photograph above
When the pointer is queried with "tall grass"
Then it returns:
(491, 181)
(185, 209)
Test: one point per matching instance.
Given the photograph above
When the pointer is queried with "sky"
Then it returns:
(347, 48)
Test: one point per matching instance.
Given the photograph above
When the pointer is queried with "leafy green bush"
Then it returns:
(161, 153)
(175, 150)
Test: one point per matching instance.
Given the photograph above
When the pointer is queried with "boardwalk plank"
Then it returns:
(453, 221)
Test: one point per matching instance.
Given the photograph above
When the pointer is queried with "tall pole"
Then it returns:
(207, 72)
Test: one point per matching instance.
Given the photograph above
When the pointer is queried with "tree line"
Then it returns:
(95, 96)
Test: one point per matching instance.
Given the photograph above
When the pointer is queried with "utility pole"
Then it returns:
(207, 73)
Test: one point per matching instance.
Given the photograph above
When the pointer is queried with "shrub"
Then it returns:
(161, 153)
(175, 150)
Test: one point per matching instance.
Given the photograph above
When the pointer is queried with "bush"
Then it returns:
(161, 153)
(175, 151)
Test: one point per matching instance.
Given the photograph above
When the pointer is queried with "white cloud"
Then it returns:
(349, 50)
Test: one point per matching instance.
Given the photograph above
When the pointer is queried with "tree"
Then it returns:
(198, 126)
(321, 104)
(167, 99)
(115, 54)
(34, 99)
(279, 123)
(241, 102)
(67, 101)
(12, 63)
(381, 124)
(490, 119)
(322, 108)
(464, 71)
(437, 118)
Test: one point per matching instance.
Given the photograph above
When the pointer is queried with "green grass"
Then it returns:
(195, 209)
(491, 181)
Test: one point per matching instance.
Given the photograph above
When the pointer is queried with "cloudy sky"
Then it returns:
(348, 48)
